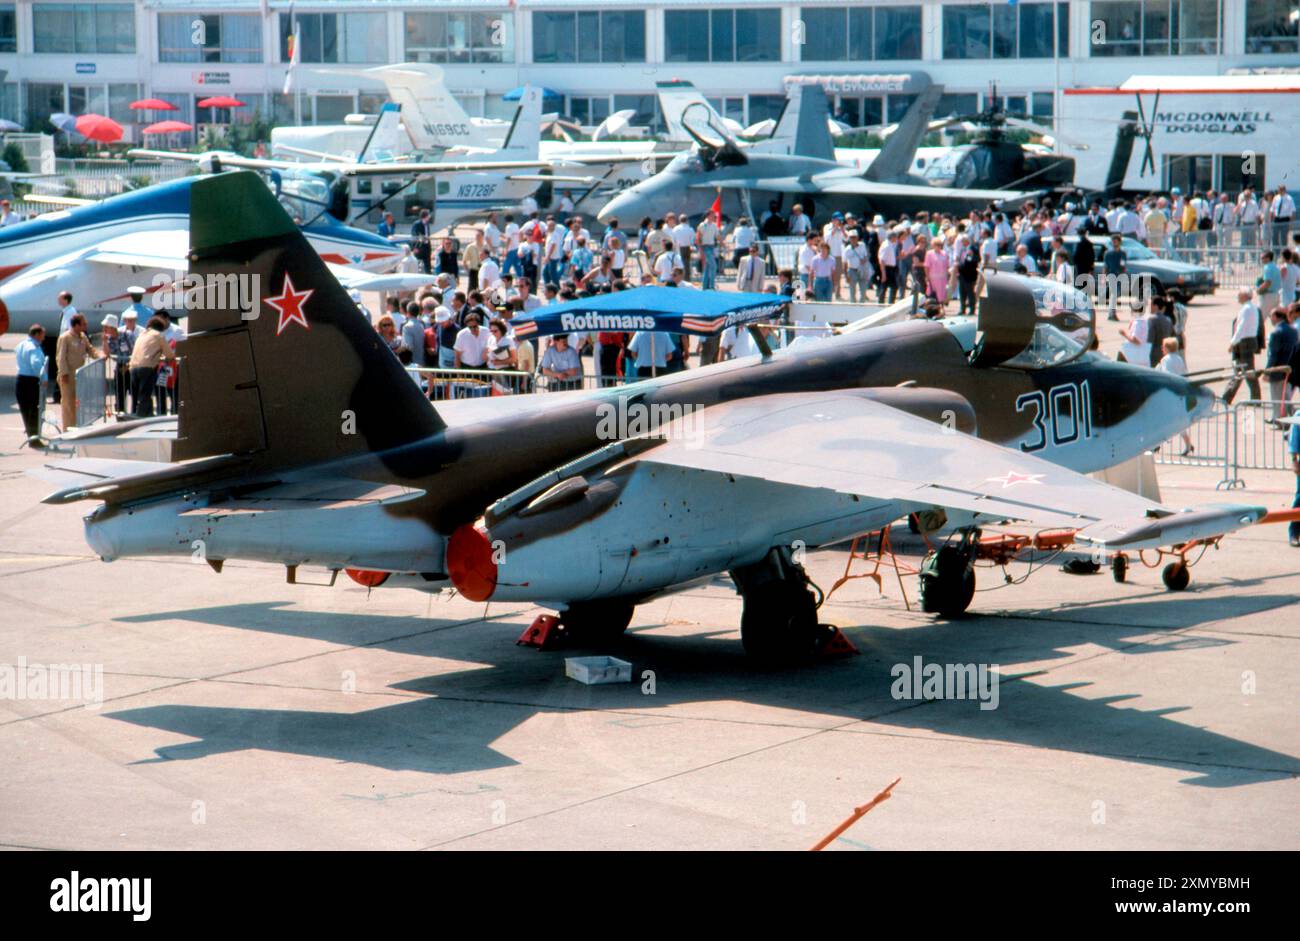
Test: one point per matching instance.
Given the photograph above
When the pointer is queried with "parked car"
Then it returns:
(1164, 273)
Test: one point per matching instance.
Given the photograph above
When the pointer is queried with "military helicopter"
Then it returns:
(993, 160)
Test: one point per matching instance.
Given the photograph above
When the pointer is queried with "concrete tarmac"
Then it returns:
(239, 711)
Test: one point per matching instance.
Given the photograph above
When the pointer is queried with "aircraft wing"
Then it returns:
(846, 442)
(356, 278)
(848, 185)
(160, 248)
(857, 186)
(389, 168)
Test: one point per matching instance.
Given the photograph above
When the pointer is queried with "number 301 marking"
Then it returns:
(1064, 412)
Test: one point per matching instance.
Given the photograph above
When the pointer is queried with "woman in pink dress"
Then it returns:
(936, 271)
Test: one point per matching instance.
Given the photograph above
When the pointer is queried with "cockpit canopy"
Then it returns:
(1031, 323)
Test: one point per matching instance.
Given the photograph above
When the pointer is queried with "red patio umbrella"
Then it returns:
(97, 127)
(221, 101)
(167, 127)
(153, 104)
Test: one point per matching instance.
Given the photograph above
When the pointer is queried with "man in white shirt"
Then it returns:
(806, 256)
(7, 215)
(553, 253)
(489, 273)
(664, 264)
(857, 268)
(684, 240)
(512, 237)
(707, 236)
(471, 344)
(492, 234)
(1281, 212)
(1243, 347)
(743, 236)
(799, 223)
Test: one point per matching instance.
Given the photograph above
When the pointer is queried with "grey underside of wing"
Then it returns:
(849, 444)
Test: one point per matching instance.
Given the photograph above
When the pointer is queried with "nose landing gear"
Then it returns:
(948, 576)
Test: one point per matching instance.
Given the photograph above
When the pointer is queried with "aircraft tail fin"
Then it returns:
(279, 364)
(434, 119)
(1125, 137)
(812, 136)
(674, 98)
(385, 135)
(523, 140)
(895, 158)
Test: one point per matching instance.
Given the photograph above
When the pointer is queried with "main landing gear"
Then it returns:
(948, 576)
(779, 622)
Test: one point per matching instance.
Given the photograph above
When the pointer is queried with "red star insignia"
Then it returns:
(1011, 478)
(290, 304)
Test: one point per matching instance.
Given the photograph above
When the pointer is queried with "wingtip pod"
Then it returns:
(234, 207)
(1171, 530)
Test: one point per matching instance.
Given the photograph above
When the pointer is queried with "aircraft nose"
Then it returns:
(623, 206)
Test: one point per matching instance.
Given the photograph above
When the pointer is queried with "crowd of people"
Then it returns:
(141, 364)
(464, 319)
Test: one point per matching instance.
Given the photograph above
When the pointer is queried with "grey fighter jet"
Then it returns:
(810, 176)
(302, 441)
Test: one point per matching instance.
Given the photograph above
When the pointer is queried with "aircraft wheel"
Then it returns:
(1176, 576)
(779, 623)
(947, 582)
(1119, 567)
(597, 621)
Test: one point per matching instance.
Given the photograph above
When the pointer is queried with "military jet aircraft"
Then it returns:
(809, 174)
(97, 250)
(553, 499)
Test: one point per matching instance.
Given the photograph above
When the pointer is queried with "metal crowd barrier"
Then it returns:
(92, 392)
(447, 384)
(1234, 438)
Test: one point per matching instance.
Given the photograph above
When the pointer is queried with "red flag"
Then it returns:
(716, 208)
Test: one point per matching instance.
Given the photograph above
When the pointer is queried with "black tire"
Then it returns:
(1176, 576)
(947, 583)
(1119, 567)
(596, 622)
(779, 624)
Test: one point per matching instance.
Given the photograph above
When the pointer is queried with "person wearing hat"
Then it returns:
(115, 351)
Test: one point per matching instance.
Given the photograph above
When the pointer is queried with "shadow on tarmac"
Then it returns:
(462, 712)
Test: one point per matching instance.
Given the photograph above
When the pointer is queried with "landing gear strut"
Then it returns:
(779, 622)
(948, 576)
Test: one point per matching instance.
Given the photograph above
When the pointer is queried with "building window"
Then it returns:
(589, 37)
(460, 37)
(83, 28)
(859, 34)
(589, 110)
(222, 37)
(336, 37)
(722, 35)
(1272, 26)
(8, 29)
(1004, 31)
(1154, 27)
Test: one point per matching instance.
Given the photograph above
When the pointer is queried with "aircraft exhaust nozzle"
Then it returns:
(470, 563)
